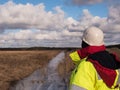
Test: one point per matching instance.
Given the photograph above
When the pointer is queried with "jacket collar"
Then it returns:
(84, 52)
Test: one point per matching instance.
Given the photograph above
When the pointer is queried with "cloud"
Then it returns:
(86, 2)
(28, 16)
(114, 14)
(23, 38)
(14, 16)
(68, 36)
(87, 20)
(36, 25)
(90, 2)
(32, 25)
(83, 2)
(113, 20)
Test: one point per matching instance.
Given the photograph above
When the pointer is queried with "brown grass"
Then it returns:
(15, 65)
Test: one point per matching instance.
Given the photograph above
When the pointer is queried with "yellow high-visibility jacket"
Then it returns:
(85, 76)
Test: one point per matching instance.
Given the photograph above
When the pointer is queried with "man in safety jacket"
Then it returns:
(96, 68)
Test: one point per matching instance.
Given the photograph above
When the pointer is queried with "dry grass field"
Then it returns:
(16, 65)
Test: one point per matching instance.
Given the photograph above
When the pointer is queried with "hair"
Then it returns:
(84, 44)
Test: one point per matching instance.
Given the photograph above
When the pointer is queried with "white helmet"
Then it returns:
(93, 36)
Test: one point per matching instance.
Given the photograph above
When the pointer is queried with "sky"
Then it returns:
(56, 23)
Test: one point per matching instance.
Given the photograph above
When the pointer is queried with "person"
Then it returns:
(96, 68)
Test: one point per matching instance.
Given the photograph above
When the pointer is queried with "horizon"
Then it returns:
(42, 47)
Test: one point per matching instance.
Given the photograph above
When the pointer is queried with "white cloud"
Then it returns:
(113, 20)
(39, 27)
(30, 16)
(114, 14)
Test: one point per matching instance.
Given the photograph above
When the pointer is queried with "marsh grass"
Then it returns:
(15, 65)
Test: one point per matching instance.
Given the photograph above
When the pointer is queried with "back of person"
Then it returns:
(86, 77)
(96, 69)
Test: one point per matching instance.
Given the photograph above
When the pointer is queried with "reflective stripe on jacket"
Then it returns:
(85, 76)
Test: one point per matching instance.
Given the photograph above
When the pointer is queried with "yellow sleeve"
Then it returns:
(85, 76)
(75, 57)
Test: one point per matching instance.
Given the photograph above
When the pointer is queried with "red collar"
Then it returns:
(84, 52)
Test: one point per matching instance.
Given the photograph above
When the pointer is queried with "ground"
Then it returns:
(18, 64)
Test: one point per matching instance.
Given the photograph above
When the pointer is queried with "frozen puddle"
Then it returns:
(44, 79)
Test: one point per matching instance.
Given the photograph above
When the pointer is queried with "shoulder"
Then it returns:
(75, 57)
(86, 67)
